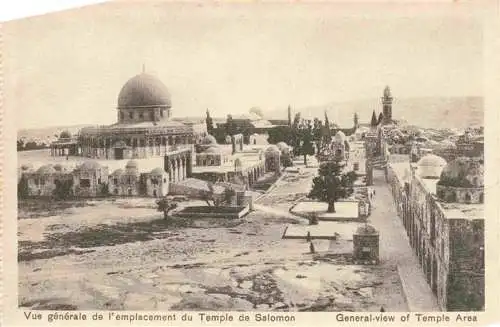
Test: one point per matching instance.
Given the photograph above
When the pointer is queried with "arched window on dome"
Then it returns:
(141, 114)
(152, 115)
(161, 113)
(481, 198)
(131, 114)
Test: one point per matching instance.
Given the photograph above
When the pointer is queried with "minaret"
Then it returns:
(387, 106)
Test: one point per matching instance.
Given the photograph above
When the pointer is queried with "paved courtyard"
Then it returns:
(395, 248)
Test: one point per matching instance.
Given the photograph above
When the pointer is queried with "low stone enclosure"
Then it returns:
(355, 211)
(225, 212)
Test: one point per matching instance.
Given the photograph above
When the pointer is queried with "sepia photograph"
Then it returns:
(265, 158)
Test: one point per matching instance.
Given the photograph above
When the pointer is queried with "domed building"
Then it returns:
(340, 146)
(462, 181)
(430, 166)
(143, 128)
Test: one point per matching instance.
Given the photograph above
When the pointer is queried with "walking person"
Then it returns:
(311, 248)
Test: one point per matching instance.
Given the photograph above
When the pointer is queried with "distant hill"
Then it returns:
(432, 112)
(48, 132)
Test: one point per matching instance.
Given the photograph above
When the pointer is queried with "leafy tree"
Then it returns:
(327, 133)
(210, 123)
(231, 131)
(165, 205)
(306, 139)
(332, 184)
(295, 141)
(286, 159)
(280, 134)
(318, 133)
(380, 118)
(22, 188)
(63, 189)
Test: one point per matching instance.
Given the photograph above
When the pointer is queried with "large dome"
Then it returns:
(431, 166)
(463, 172)
(144, 90)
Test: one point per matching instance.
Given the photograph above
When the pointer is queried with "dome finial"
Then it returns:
(143, 68)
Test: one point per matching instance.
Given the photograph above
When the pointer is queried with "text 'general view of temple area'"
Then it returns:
(245, 213)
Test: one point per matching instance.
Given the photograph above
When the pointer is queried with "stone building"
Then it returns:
(143, 128)
(366, 245)
(89, 179)
(65, 145)
(272, 158)
(447, 233)
(86, 180)
(340, 146)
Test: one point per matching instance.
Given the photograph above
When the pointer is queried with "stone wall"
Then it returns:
(450, 251)
(466, 279)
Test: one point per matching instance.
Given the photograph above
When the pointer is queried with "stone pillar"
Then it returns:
(173, 171)
(189, 166)
(179, 169)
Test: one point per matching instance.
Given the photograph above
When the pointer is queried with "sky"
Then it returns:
(67, 68)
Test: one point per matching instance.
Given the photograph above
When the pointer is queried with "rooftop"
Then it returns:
(402, 171)
(462, 210)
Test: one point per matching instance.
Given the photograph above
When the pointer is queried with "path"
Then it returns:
(395, 248)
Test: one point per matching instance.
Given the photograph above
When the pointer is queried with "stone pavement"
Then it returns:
(395, 249)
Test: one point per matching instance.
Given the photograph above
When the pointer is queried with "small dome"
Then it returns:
(65, 135)
(282, 146)
(59, 168)
(209, 139)
(463, 172)
(144, 90)
(366, 229)
(117, 172)
(46, 170)
(256, 111)
(432, 160)
(132, 164)
(340, 137)
(431, 166)
(212, 149)
(26, 166)
(120, 144)
(272, 148)
(158, 171)
(90, 165)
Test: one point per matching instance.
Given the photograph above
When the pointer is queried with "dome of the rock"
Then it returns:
(142, 91)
